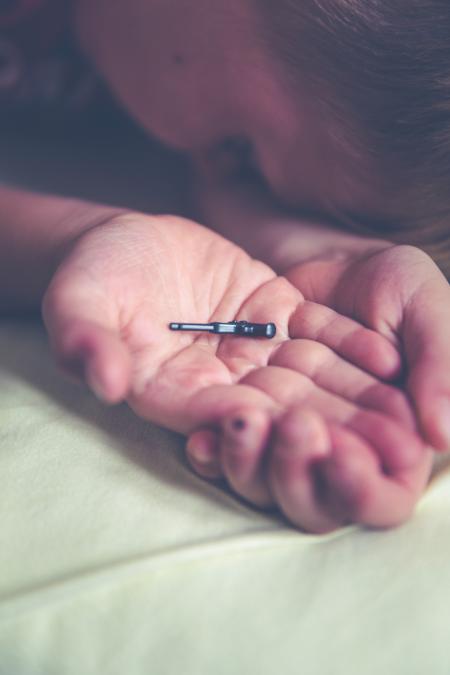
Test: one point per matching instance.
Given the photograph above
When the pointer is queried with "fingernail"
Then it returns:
(200, 457)
(202, 461)
(201, 452)
(442, 411)
(94, 384)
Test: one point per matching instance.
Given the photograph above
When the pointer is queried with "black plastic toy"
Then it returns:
(241, 328)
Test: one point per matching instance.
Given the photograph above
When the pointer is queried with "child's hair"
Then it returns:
(382, 70)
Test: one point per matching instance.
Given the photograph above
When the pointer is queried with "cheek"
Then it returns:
(185, 123)
(295, 176)
(153, 107)
(165, 106)
(305, 169)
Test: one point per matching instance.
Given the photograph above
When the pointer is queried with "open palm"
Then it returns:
(107, 311)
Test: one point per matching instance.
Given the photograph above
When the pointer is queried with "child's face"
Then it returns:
(194, 74)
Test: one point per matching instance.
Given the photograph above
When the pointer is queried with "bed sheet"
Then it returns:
(115, 558)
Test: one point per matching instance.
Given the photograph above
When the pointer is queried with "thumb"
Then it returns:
(86, 343)
(426, 337)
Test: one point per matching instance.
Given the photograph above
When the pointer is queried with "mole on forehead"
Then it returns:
(177, 58)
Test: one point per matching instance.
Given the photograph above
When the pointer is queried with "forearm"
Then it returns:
(35, 230)
(250, 218)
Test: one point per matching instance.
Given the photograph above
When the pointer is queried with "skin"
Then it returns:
(308, 422)
(276, 417)
(201, 76)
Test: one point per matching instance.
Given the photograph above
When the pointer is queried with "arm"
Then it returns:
(35, 231)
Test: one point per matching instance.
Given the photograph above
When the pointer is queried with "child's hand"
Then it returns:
(400, 293)
(107, 311)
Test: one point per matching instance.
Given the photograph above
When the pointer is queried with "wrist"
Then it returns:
(35, 233)
(78, 221)
(329, 246)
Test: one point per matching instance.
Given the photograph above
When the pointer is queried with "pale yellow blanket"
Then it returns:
(116, 560)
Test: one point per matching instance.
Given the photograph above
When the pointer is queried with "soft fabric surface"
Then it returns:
(115, 559)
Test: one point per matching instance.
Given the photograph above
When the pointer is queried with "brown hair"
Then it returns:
(382, 69)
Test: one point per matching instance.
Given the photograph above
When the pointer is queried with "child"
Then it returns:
(342, 108)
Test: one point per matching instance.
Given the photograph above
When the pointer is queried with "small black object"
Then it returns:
(243, 328)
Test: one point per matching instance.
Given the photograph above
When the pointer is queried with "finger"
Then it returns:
(357, 486)
(203, 453)
(361, 346)
(426, 336)
(85, 339)
(94, 354)
(397, 447)
(241, 354)
(245, 437)
(211, 405)
(335, 375)
(301, 443)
